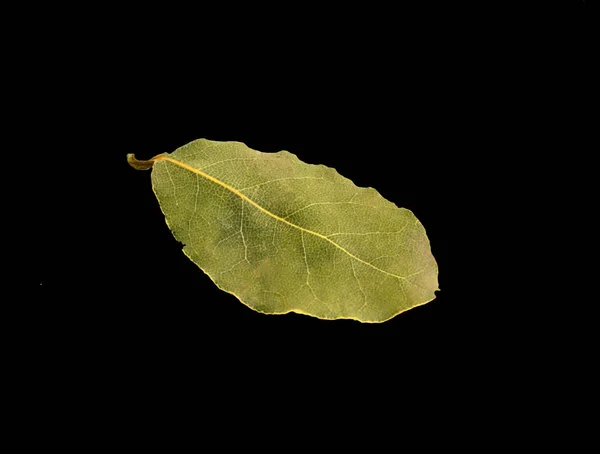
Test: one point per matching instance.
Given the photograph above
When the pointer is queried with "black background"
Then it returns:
(432, 107)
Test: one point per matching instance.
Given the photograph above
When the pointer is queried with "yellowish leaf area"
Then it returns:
(286, 236)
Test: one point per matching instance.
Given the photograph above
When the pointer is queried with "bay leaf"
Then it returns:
(286, 236)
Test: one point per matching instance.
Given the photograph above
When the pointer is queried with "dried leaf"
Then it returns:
(285, 236)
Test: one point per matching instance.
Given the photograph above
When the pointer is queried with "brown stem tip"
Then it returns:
(139, 165)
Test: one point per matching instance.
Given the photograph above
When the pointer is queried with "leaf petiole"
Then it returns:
(141, 165)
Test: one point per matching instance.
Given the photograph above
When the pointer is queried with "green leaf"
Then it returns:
(285, 236)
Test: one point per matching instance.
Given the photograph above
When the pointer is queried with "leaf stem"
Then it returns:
(141, 165)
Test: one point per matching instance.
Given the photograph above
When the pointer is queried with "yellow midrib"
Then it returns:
(183, 165)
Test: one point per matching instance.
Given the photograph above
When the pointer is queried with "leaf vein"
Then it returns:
(280, 179)
(327, 203)
(359, 286)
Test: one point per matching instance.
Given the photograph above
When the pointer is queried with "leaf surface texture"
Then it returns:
(286, 236)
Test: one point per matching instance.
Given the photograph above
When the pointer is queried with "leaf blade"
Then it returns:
(286, 236)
